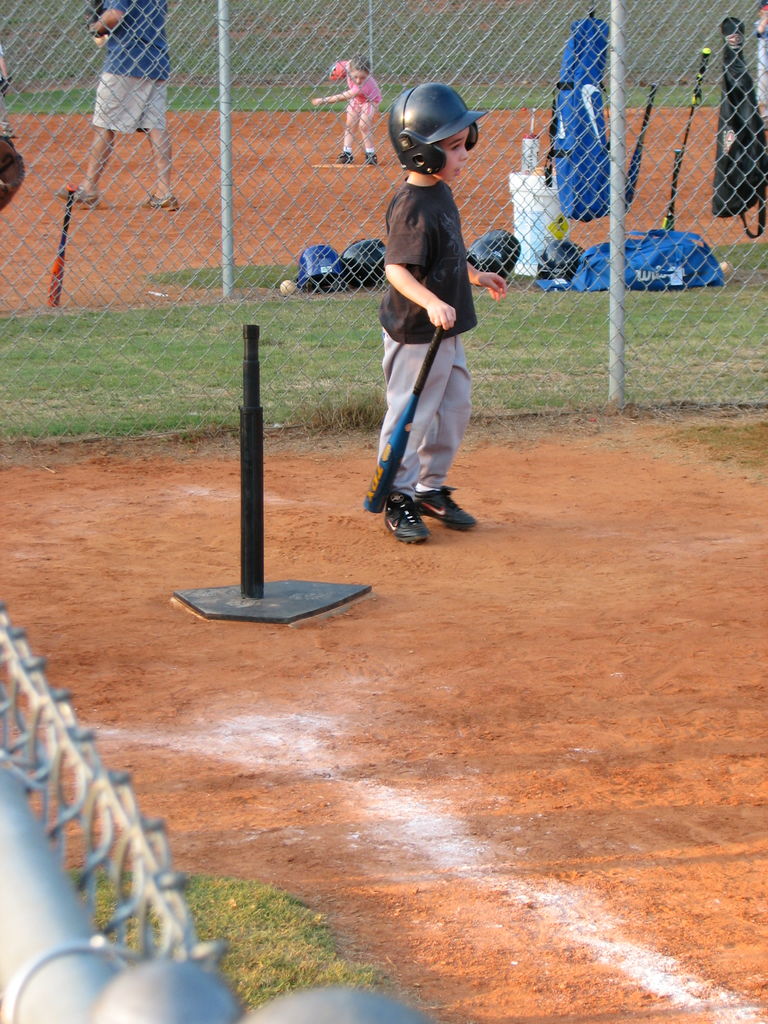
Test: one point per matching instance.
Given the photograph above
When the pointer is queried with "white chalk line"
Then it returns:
(187, 491)
(427, 829)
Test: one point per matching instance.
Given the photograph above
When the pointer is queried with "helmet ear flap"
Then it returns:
(425, 158)
(430, 159)
(472, 136)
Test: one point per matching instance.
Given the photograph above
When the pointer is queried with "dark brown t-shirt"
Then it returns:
(424, 234)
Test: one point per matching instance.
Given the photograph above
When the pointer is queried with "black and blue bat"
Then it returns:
(668, 224)
(392, 456)
(634, 167)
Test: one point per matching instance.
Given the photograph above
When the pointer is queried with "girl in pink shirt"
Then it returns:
(363, 97)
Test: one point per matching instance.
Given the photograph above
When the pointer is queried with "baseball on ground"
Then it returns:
(726, 267)
(288, 288)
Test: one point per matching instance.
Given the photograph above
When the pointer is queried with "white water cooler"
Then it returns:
(537, 219)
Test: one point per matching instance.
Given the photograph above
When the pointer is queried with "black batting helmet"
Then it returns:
(363, 263)
(421, 117)
(733, 27)
(496, 251)
(560, 259)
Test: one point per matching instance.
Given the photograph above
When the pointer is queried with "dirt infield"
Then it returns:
(526, 776)
(286, 197)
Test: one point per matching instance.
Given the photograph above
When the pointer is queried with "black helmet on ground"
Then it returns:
(363, 263)
(496, 251)
(559, 260)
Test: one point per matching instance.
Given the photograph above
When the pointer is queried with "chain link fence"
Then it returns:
(147, 336)
(90, 814)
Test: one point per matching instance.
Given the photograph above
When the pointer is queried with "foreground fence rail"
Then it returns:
(90, 814)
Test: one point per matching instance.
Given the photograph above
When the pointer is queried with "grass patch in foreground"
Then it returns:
(275, 943)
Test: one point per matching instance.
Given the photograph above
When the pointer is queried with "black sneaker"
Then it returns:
(345, 158)
(371, 160)
(440, 505)
(403, 520)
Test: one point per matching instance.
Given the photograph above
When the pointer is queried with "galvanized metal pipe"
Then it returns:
(618, 212)
(41, 914)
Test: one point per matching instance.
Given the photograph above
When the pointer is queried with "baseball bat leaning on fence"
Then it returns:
(668, 224)
(57, 271)
(392, 456)
(637, 157)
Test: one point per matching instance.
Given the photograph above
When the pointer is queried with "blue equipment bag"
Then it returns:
(578, 141)
(578, 144)
(656, 261)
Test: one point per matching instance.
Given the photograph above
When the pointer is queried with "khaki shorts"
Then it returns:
(126, 104)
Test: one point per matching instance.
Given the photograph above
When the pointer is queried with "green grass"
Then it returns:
(484, 41)
(501, 58)
(79, 100)
(244, 277)
(275, 943)
(179, 367)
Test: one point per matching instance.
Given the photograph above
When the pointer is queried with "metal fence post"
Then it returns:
(225, 149)
(617, 287)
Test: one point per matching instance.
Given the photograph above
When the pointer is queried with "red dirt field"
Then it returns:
(287, 196)
(526, 776)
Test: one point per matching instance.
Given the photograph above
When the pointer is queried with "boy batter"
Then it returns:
(429, 286)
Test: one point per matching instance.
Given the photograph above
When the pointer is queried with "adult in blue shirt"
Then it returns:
(131, 95)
